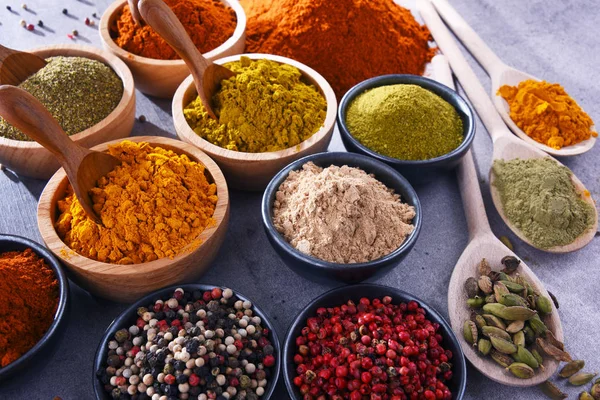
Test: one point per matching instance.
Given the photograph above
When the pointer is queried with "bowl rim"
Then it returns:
(117, 5)
(186, 133)
(63, 298)
(431, 313)
(119, 68)
(101, 348)
(426, 83)
(75, 260)
(317, 263)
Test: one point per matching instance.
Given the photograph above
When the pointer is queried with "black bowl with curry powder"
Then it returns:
(416, 171)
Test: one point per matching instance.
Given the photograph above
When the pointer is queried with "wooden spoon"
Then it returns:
(506, 145)
(135, 12)
(501, 74)
(83, 167)
(483, 244)
(16, 66)
(207, 75)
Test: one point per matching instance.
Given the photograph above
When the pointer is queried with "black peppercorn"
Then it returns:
(179, 365)
(183, 378)
(65, 11)
(114, 361)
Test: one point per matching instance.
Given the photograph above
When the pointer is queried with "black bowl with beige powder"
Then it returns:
(333, 247)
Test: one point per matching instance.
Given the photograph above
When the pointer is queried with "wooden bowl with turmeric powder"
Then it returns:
(128, 282)
(253, 171)
(160, 77)
(30, 159)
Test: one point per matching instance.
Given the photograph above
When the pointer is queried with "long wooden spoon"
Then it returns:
(83, 167)
(207, 75)
(16, 66)
(506, 145)
(501, 74)
(483, 244)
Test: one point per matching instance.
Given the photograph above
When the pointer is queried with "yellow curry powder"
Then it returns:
(266, 107)
(153, 205)
(547, 114)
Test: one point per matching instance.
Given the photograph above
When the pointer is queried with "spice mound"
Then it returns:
(547, 114)
(373, 349)
(540, 199)
(77, 91)
(266, 107)
(154, 205)
(196, 345)
(406, 122)
(330, 36)
(340, 214)
(209, 23)
(28, 302)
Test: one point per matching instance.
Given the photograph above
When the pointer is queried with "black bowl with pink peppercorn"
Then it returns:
(372, 342)
(205, 341)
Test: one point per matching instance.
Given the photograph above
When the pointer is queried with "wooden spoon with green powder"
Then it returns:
(207, 75)
(506, 146)
(483, 244)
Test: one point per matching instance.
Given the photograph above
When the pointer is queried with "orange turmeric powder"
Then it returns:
(154, 205)
(547, 114)
(208, 22)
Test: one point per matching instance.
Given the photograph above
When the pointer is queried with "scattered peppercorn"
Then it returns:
(41, 23)
(75, 32)
(24, 6)
(94, 15)
(30, 27)
(142, 118)
(23, 23)
(9, 8)
(70, 36)
(65, 11)
(87, 21)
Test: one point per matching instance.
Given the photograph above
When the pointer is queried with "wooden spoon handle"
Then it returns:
(476, 46)
(477, 221)
(26, 113)
(469, 81)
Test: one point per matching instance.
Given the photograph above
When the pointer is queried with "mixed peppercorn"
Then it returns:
(195, 345)
(372, 350)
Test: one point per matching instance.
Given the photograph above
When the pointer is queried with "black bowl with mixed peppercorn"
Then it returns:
(370, 341)
(189, 342)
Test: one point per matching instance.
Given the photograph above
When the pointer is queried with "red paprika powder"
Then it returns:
(28, 301)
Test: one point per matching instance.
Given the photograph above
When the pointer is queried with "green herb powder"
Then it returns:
(77, 91)
(405, 122)
(540, 199)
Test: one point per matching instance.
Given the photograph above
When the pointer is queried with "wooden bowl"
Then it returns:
(253, 171)
(126, 283)
(30, 159)
(161, 78)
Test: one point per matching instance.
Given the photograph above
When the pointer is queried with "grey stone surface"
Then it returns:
(556, 40)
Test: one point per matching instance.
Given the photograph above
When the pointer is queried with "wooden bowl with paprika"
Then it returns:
(129, 282)
(161, 78)
(253, 171)
(28, 158)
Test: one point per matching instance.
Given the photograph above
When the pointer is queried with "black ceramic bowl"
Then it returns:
(418, 171)
(328, 272)
(129, 317)
(337, 297)
(18, 243)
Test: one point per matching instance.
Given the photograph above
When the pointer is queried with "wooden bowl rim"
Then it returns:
(185, 132)
(116, 64)
(77, 261)
(116, 6)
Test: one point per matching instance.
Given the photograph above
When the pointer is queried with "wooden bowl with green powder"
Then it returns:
(261, 128)
(414, 124)
(109, 115)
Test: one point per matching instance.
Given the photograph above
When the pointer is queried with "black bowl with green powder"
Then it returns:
(416, 125)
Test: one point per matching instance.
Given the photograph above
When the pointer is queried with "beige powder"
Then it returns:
(340, 214)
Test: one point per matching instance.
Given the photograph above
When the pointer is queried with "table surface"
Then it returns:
(553, 39)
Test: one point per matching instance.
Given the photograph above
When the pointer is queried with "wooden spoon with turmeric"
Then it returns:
(207, 75)
(83, 166)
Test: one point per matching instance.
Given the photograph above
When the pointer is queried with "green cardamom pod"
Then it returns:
(494, 309)
(544, 305)
(513, 286)
(511, 264)
(502, 345)
(538, 327)
(484, 346)
(515, 326)
(538, 356)
(523, 355)
(552, 391)
(571, 368)
(492, 320)
(483, 268)
(532, 301)
(500, 358)
(470, 332)
(512, 299)
(485, 284)
(529, 335)
(585, 396)
(471, 287)
(476, 302)
(553, 351)
(521, 370)
(490, 298)
(515, 313)
(490, 331)
(519, 338)
(529, 288)
(499, 290)
(595, 391)
(502, 276)
(480, 321)
(581, 378)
